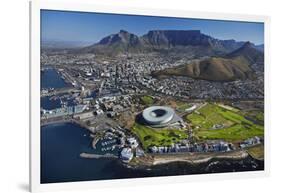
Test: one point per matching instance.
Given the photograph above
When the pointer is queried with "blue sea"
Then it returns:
(50, 78)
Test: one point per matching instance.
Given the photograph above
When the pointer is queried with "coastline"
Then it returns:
(150, 165)
(159, 159)
(191, 158)
(197, 158)
(150, 160)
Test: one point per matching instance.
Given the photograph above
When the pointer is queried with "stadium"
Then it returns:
(160, 116)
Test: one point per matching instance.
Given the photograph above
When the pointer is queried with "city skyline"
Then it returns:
(80, 26)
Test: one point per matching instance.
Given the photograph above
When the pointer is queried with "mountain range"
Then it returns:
(163, 40)
(227, 60)
(232, 66)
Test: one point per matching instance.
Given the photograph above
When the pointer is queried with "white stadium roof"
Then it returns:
(158, 115)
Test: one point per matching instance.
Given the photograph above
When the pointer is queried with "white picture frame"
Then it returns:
(36, 6)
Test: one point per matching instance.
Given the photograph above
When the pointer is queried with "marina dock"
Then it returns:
(97, 156)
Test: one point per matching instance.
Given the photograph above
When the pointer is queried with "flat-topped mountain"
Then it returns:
(163, 40)
(170, 38)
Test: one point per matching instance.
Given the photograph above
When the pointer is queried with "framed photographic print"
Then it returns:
(123, 96)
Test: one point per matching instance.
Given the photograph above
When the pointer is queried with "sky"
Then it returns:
(92, 27)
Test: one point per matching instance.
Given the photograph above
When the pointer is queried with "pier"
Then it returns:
(55, 120)
(59, 91)
(97, 156)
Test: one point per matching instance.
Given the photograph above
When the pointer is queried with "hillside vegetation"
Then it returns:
(215, 69)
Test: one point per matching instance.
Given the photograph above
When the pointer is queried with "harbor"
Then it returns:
(77, 140)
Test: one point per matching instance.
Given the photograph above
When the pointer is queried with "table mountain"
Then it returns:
(184, 41)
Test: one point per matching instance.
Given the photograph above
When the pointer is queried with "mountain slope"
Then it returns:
(214, 69)
(260, 47)
(121, 42)
(239, 64)
(249, 52)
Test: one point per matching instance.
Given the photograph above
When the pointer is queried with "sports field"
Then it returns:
(215, 122)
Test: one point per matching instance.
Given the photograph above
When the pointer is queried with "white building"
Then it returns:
(126, 155)
(132, 142)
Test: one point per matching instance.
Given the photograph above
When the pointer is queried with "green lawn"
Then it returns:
(208, 116)
(234, 133)
(236, 126)
(157, 136)
(147, 100)
(255, 114)
(182, 106)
